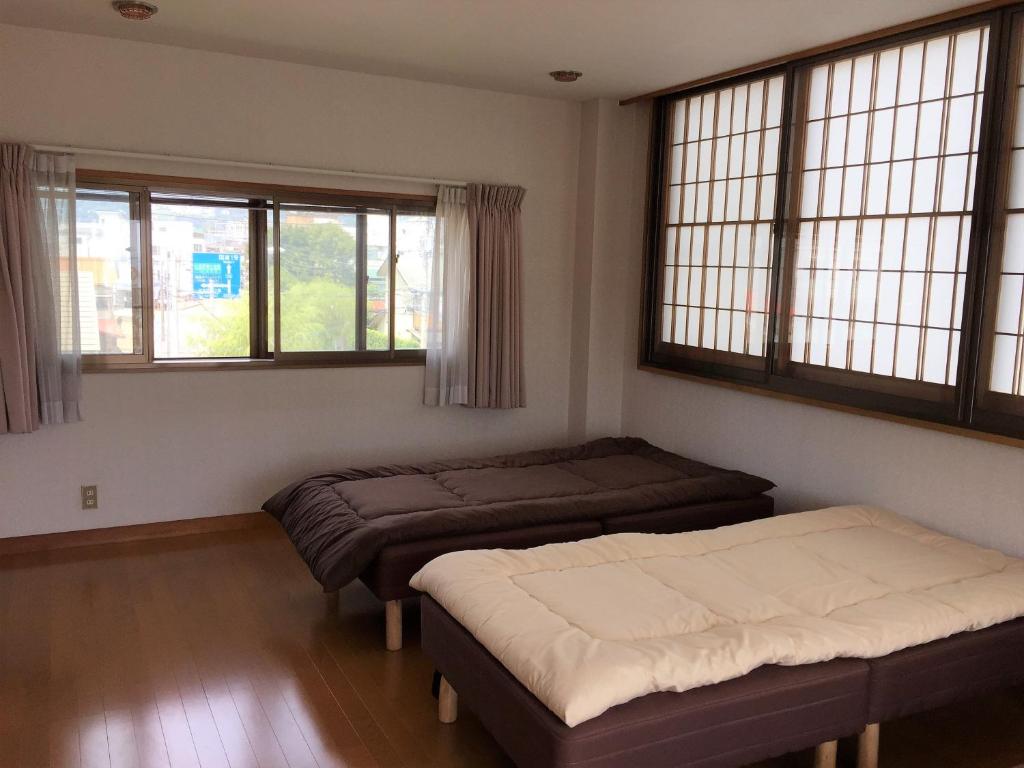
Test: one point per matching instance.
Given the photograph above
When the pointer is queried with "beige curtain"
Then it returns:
(39, 338)
(495, 311)
(18, 327)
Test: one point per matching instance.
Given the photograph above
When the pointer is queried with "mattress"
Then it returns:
(340, 521)
(589, 625)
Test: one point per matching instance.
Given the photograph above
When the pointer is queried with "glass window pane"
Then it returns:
(109, 272)
(378, 277)
(318, 280)
(415, 252)
(200, 280)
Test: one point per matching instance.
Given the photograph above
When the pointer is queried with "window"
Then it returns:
(887, 280)
(200, 277)
(1001, 379)
(412, 279)
(884, 211)
(175, 272)
(107, 229)
(718, 228)
(334, 272)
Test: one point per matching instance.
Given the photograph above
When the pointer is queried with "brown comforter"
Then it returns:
(340, 521)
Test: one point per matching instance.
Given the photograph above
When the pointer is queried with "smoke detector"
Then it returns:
(566, 75)
(135, 10)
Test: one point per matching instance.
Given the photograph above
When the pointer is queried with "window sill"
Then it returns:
(343, 360)
(975, 433)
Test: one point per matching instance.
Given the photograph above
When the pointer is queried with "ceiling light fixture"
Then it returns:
(566, 75)
(135, 10)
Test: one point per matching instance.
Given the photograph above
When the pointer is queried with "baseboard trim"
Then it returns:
(41, 542)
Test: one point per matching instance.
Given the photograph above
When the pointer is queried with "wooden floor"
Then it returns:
(219, 650)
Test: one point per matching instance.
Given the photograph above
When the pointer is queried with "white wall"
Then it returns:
(174, 445)
(820, 457)
(607, 227)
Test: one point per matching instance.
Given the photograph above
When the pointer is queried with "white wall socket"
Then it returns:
(90, 500)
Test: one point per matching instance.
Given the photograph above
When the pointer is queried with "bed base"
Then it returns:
(770, 712)
(929, 676)
(917, 679)
(825, 754)
(388, 575)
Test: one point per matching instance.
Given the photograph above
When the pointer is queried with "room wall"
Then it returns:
(588, 171)
(167, 446)
(175, 445)
(605, 232)
(818, 457)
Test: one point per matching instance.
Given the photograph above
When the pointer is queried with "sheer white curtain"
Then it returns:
(39, 338)
(59, 345)
(446, 380)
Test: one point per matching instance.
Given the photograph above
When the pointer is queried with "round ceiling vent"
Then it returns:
(135, 10)
(566, 75)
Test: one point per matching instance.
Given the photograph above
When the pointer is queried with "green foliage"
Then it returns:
(318, 315)
(226, 335)
(315, 315)
(379, 340)
(376, 339)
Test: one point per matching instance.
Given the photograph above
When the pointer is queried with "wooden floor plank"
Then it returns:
(123, 751)
(149, 737)
(257, 726)
(62, 740)
(93, 746)
(219, 651)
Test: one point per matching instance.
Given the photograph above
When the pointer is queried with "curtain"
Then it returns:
(495, 301)
(60, 358)
(446, 379)
(40, 349)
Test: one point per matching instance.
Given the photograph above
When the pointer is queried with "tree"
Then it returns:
(317, 249)
(224, 335)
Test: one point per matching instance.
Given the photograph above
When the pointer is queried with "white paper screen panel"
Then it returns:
(720, 204)
(885, 207)
(1007, 374)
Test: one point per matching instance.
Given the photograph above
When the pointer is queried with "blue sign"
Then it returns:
(216, 275)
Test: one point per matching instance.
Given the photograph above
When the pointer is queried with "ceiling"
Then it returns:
(623, 47)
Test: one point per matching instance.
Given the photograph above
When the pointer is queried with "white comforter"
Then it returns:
(591, 624)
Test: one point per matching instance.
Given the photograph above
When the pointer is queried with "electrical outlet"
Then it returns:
(90, 500)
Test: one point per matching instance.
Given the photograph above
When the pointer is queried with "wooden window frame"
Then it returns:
(736, 365)
(139, 235)
(997, 411)
(263, 205)
(961, 407)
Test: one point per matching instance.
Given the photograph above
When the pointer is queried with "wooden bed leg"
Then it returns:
(447, 703)
(825, 755)
(393, 624)
(867, 747)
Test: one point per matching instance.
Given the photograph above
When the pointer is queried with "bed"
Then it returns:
(721, 647)
(382, 524)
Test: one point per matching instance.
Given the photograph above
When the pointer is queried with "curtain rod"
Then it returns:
(243, 164)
